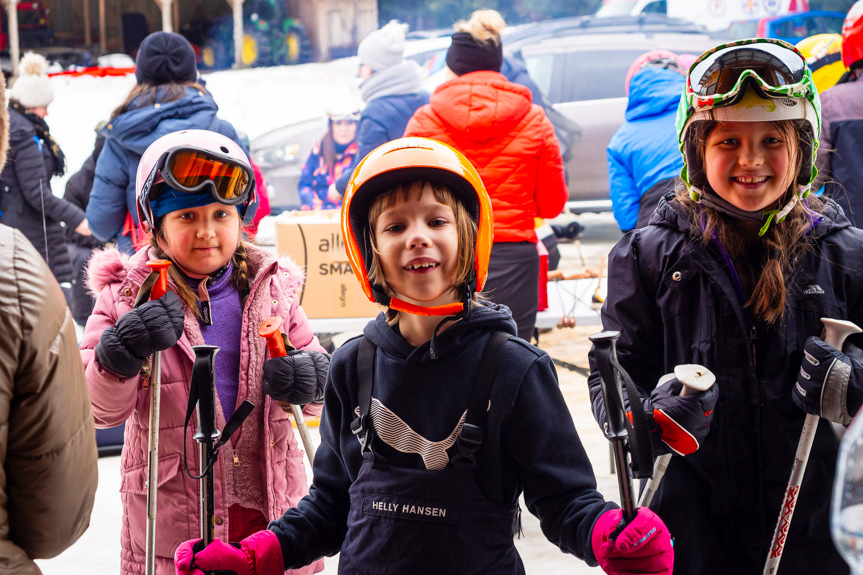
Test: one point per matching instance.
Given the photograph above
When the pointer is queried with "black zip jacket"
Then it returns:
(530, 444)
(674, 302)
(27, 202)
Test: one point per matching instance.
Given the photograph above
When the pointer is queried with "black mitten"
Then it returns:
(297, 378)
(155, 326)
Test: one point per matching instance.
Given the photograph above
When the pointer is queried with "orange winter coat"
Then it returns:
(510, 142)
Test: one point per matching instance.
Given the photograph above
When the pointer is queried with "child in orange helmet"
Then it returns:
(430, 431)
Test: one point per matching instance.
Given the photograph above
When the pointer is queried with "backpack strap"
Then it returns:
(473, 431)
(362, 426)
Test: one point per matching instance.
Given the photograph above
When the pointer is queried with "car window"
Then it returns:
(827, 25)
(616, 8)
(743, 29)
(791, 28)
(656, 8)
(540, 68)
(595, 75)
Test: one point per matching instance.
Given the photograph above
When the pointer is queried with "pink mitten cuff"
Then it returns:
(257, 554)
(644, 546)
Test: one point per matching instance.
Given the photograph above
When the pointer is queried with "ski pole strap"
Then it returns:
(233, 424)
(147, 285)
(637, 430)
(202, 375)
(473, 430)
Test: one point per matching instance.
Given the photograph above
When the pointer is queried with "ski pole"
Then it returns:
(159, 289)
(694, 378)
(204, 379)
(604, 344)
(278, 343)
(835, 332)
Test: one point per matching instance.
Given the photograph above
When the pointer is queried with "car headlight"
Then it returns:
(277, 155)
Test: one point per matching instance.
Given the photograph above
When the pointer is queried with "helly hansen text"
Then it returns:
(409, 509)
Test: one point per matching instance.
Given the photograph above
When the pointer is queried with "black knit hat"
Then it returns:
(467, 55)
(165, 58)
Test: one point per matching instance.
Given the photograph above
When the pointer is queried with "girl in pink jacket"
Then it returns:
(193, 190)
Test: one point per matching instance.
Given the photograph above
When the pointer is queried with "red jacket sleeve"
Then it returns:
(550, 193)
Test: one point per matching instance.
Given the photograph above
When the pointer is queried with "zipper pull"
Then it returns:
(753, 340)
(236, 458)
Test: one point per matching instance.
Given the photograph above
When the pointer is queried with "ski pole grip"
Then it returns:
(271, 330)
(836, 330)
(695, 378)
(160, 288)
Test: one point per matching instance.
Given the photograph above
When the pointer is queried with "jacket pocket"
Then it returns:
(172, 513)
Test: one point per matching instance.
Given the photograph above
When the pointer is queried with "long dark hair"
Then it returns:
(784, 243)
(149, 94)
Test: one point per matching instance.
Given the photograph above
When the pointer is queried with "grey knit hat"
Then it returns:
(384, 47)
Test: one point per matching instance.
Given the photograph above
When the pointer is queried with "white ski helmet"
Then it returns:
(192, 161)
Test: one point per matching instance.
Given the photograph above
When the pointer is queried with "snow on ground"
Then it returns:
(255, 101)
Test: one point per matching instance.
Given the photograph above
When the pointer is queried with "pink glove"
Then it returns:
(643, 547)
(257, 554)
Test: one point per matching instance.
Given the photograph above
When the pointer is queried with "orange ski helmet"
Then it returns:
(408, 160)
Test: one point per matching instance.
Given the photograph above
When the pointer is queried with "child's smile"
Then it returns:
(748, 163)
(418, 244)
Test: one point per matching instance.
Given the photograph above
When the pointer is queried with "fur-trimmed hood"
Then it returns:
(110, 265)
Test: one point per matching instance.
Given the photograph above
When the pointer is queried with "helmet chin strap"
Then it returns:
(718, 203)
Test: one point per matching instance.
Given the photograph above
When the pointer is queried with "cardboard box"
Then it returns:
(314, 241)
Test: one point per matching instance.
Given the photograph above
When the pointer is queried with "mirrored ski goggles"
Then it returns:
(190, 170)
(345, 117)
(774, 67)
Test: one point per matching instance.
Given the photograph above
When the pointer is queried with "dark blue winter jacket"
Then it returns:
(644, 149)
(530, 442)
(674, 302)
(126, 138)
(384, 119)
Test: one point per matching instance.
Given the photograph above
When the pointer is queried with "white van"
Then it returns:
(712, 14)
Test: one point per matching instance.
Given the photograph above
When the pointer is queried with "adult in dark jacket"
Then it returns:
(34, 157)
(49, 467)
(718, 279)
(839, 157)
(391, 88)
(168, 97)
(80, 247)
(643, 157)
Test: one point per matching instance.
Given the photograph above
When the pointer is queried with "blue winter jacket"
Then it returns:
(384, 119)
(644, 149)
(126, 138)
(674, 301)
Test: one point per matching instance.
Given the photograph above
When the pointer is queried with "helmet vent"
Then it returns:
(224, 149)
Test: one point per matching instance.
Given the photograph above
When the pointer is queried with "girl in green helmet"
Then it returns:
(734, 272)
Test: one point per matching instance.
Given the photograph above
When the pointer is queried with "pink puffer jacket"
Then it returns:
(274, 284)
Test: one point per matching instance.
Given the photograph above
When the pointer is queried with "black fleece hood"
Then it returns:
(485, 317)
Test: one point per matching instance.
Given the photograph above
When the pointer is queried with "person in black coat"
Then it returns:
(26, 200)
(734, 273)
(81, 246)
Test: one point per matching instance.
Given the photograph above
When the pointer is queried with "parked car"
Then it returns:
(583, 76)
(579, 64)
(791, 28)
